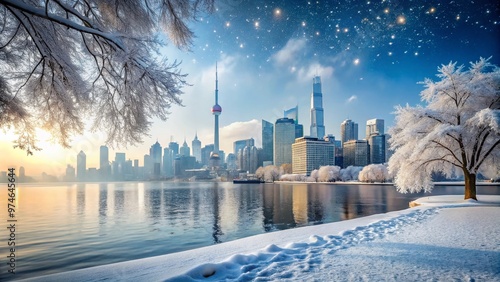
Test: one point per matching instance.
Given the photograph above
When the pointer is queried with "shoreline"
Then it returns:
(220, 259)
(443, 183)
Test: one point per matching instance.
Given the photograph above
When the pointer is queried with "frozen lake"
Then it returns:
(67, 226)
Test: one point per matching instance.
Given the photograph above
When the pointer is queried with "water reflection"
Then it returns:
(103, 203)
(216, 227)
(80, 198)
(88, 224)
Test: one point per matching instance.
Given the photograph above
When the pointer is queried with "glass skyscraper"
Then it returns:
(374, 126)
(317, 115)
(196, 145)
(267, 141)
(284, 137)
(293, 113)
(81, 166)
(348, 131)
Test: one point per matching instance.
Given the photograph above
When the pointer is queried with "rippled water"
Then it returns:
(63, 227)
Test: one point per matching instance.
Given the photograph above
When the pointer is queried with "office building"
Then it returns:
(168, 162)
(374, 126)
(377, 148)
(183, 163)
(356, 153)
(388, 151)
(118, 166)
(148, 166)
(248, 158)
(185, 150)
(70, 173)
(196, 145)
(81, 166)
(240, 144)
(310, 153)
(284, 137)
(104, 166)
(293, 113)
(205, 154)
(267, 142)
(348, 131)
(231, 162)
(174, 146)
(155, 152)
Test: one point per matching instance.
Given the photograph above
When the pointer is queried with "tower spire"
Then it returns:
(216, 111)
(216, 85)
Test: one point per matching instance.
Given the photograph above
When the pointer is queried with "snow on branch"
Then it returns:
(65, 61)
(457, 132)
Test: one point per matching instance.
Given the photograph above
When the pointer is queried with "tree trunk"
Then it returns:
(470, 186)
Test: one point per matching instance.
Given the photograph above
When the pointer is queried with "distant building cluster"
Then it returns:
(283, 144)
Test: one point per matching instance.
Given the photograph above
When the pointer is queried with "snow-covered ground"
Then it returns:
(442, 239)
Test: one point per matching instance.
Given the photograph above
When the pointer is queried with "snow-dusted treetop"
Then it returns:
(457, 132)
(62, 61)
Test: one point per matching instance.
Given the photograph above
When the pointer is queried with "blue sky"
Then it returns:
(370, 56)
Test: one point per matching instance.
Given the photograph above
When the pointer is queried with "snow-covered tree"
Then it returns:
(293, 177)
(259, 173)
(313, 177)
(350, 173)
(374, 173)
(458, 131)
(328, 173)
(268, 173)
(64, 61)
(285, 169)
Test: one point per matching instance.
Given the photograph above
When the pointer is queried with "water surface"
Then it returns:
(67, 226)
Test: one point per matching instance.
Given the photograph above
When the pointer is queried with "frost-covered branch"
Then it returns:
(67, 61)
(457, 132)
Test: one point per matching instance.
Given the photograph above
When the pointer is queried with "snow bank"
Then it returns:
(455, 201)
(321, 252)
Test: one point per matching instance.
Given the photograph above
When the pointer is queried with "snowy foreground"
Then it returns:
(443, 239)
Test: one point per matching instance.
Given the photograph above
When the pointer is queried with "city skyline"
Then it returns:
(369, 55)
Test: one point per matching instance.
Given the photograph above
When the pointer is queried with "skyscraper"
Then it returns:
(317, 116)
(267, 141)
(70, 173)
(377, 148)
(196, 145)
(104, 166)
(168, 162)
(119, 166)
(356, 153)
(103, 157)
(310, 153)
(348, 131)
(231, 162)
(240, 144)
(247, 158)
(81, 166)
(148, 166)
(374, 126)
(376, 139)
(155, 153)
(293, 113)
(284, 137)
(216, 111)
(184, 150)
(205, 154)
(174, 146)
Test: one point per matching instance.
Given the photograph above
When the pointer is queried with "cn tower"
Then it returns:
(216, 111)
